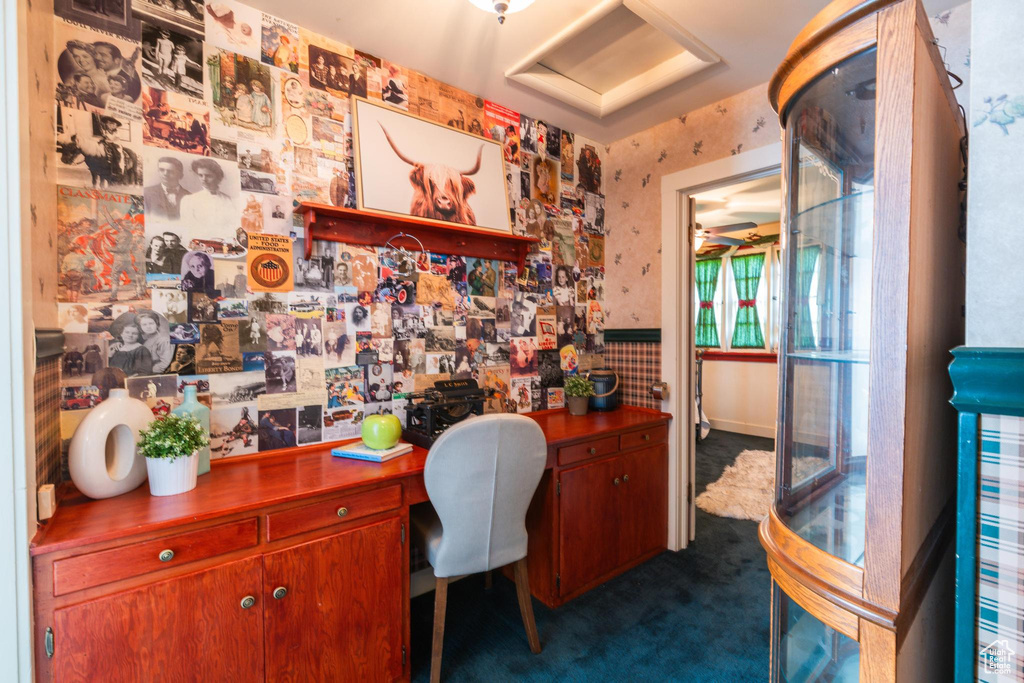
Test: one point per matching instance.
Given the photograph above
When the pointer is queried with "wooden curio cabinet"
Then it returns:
(859, 537)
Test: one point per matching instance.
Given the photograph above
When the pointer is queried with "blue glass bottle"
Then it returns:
(191, 407)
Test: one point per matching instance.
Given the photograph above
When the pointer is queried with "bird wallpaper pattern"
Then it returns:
(636, 164)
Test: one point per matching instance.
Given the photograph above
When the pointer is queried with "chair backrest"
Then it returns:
(481, 475)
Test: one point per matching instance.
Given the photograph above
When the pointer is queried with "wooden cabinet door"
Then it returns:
(590, 516)
(341, 618)
(645, 502)
(190, 628)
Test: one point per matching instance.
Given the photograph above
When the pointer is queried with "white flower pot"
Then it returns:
(171, 477)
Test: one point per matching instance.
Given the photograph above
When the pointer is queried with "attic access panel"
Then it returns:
(616, 54)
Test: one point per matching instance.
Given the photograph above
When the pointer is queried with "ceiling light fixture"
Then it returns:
(502, 7)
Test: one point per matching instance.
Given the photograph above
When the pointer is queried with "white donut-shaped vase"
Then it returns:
(102, 459)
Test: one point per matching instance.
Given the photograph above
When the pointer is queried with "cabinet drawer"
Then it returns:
(106, 566)
(334, 511)
(587, 449)
(644, 437)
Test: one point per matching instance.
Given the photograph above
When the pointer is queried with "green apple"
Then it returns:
(381, 431)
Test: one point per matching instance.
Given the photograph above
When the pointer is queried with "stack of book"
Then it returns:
(360, 451)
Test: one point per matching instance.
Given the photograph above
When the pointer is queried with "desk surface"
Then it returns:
(261, 481)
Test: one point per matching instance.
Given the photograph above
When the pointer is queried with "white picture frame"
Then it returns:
(389, 145)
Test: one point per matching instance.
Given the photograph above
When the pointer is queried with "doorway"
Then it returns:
(735, 292)
(679, 315)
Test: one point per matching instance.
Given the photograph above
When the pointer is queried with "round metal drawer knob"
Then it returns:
(647, 437)
(342, 512)
(166, 555)
(248, 601)
(593, 451)
(625, 477)
(616, 482)
(280, 592)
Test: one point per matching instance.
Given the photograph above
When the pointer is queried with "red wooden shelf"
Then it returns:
(351, 226)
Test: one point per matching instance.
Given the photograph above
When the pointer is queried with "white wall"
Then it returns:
(741, 397)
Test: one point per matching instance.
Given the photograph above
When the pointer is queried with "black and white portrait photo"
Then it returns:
(184, 16)
(198, 193)
(96, 72)
(172, 61)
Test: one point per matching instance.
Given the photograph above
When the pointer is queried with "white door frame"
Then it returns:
(17, 511)
(677, 362)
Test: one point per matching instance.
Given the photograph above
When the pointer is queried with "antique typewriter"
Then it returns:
(432, 411)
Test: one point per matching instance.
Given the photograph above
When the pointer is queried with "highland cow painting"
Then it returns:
(410, 166)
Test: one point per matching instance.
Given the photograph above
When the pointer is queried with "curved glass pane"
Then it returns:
(827, 304)
(808, 650)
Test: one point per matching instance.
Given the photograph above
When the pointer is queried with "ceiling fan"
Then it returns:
(702, 235)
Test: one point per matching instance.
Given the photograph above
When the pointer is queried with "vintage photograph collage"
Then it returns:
(187, 135)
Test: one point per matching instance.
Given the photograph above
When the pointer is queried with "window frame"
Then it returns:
(726, 307)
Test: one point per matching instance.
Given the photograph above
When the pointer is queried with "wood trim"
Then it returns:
(49, 343)
(834, 18)
(922, 571)
(891, 250)
(738, 357)
(352, 226)
(822, 609)
(843, 576)
(645, 335)
(924, 25)
(852, 40)
(877, 654)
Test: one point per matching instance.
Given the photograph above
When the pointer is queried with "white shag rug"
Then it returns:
(745, 490)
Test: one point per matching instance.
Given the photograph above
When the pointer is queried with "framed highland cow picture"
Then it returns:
(409, 166)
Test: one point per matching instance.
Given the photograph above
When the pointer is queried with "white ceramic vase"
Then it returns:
(102, 458)
(171, 477)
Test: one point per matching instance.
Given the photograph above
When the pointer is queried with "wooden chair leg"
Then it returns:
(526, 606)
(440, 606)
(488, 580)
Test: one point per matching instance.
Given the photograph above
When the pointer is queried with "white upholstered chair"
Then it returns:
(480, 476)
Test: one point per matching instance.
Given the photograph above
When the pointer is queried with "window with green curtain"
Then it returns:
(806, 260)
(746, 271)
(707, 283)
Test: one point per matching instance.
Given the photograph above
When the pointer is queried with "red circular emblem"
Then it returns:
(269, 270)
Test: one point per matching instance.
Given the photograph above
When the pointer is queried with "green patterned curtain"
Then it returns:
(806, 260)
(746, 270)
(707, 283)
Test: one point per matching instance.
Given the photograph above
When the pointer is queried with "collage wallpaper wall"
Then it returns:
(185, 138)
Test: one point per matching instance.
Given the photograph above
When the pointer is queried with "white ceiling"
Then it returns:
(758, 200)
(455, 42)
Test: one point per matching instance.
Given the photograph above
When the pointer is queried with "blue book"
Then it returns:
(360, 451)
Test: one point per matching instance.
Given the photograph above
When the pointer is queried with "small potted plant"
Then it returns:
(170, 447)
(578, 391)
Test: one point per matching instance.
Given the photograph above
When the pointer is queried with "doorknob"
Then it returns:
(659, 391)
(280, 592)
(248, 601)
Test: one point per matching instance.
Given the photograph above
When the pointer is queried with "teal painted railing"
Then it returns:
(985, 381)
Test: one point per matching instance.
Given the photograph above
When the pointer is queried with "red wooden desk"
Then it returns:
(95, 551)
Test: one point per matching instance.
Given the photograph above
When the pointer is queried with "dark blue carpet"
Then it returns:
(701, 614)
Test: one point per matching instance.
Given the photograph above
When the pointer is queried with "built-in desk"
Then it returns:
(319, 546)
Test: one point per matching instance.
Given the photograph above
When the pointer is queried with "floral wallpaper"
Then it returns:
(995, 280)
(636, 164)
(633, 195)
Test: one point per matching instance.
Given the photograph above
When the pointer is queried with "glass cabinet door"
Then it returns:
(825, 345)
(807, 649)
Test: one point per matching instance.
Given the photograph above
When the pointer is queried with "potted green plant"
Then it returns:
(578, 391)
(170, 447)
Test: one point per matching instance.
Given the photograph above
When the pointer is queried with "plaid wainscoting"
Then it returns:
(46, 388)
(1001, 550)
(638, 365)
